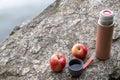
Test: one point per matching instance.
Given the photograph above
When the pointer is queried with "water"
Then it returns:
(76, 66)
(14, 12)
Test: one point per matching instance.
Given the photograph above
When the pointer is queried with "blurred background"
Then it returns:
(14, 12)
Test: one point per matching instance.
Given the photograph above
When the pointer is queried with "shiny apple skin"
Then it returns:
(79, 51)
(57, 62)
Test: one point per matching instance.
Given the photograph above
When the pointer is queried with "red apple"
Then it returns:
(79, 51)
(57, 62)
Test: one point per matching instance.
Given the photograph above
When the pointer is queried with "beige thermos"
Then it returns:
(104, 34)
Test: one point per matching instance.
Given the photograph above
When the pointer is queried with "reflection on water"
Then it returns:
(14, 12)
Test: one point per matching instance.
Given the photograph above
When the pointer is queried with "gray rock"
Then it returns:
(25, 54)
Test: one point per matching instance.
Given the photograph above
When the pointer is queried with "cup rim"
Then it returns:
(76, 69)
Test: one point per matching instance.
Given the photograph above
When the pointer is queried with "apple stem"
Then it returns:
(58, 57)
(78, 48)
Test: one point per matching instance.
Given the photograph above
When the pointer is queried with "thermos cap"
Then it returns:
(106, 17)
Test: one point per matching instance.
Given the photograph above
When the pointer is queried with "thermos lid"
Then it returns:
(106, 17)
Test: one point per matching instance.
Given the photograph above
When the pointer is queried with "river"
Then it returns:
(14, 12)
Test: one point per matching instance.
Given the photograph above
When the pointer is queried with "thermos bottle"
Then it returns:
(104, 34)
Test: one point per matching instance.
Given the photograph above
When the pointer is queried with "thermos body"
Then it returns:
(103, 42)
(104, 34)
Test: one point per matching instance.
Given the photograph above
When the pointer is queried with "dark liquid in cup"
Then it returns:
(76, 66)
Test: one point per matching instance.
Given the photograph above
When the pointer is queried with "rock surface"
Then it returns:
(25, 54)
